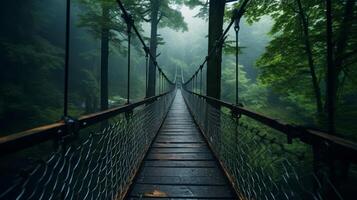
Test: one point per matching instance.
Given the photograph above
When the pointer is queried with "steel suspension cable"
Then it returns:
(146, 69)
(197, 83)
(237, 15)
(331, 71)
(66, 66)
(236, 28)
(129, 21)
(160, 84)
(201, 81)
(152, 57)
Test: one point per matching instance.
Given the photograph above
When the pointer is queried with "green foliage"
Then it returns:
(284, 66)
(230, 47)
(172, 19)
(250, 94)
(38, 52)
(90, 85)
(29, 64)
(94, 20)
(202, 4)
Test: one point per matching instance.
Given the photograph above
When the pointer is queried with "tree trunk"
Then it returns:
(215, 30)
(331, 75)
(315, 83)
(344, 33)
(335, 58)
(153, 48)
(343, 36)
(213, 80)
(104, 60)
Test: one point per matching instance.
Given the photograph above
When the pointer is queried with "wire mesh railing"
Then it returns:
(96, 164)
(95, 156)
(262, 159)
(258, 152)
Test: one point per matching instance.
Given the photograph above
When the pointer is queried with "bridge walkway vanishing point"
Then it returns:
(179, 163)
(263, 157)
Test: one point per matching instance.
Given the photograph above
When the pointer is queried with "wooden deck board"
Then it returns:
(202, 149)
(179, 164)
(181, 191)
(179, 156)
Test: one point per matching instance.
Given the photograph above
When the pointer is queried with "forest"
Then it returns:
(282, 58)
(89, 107)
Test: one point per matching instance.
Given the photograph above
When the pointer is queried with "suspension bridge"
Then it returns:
(179, 144)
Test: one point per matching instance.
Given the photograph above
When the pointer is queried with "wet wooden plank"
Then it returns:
(175, 145)
(179, 164)
(178, 124)
(182, 180)
(190, 138)
(172, 121)
(193, 126)
(177, 119)
(179, 131)
(175, 163)
(177, 134)
(180, 150)
(182, 128)
(181, 172)
(179, 138)
(181, 156)
(179, 128)
(186, 198)
(181, 191)
(170, 198)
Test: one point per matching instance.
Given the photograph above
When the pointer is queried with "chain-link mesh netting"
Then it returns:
(260, 163)
(99, 165)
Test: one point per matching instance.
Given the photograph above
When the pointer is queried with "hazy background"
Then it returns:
(32, 60)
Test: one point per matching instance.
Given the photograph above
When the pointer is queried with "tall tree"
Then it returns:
(97, 17)
(155, 5)
(162, 14)
(103, 18)
(215, 30)
(344, 34)
(309, 54)
(104, 57)
(299, 25)
(31, 63)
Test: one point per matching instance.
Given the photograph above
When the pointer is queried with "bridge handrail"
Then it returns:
(343, 149)
(65, 128)
(237, 15)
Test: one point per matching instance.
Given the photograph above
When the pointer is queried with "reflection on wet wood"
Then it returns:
(179, 164)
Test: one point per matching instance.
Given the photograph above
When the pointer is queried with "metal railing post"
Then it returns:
(193, 83)
(66, 66)
(60, 141)
(162, 83)
(196, 86)
(201, 80)
(129, 22)
(159, 82)
(146, 49)
(236, 28)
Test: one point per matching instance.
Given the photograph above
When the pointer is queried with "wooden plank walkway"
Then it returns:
(179, 164)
